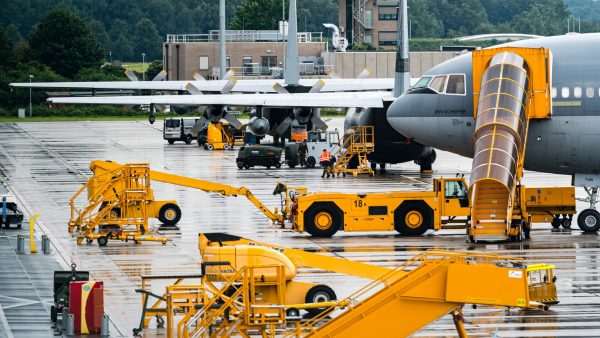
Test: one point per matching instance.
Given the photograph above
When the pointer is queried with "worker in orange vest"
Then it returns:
(325, 161)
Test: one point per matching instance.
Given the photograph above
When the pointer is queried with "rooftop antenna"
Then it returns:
(291, 73)
(222, 39)
(402, 76)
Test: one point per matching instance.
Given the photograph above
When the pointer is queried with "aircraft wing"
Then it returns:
(316, 100)
(242, 86)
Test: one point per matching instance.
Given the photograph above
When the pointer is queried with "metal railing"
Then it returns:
(244, 35)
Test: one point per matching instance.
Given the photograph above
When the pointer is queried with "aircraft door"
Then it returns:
(456, 201)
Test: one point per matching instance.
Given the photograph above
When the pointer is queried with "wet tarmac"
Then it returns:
(46, 163)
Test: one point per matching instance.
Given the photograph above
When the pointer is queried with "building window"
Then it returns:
(589, 92)
(228, 62)
(387, 38)
(577, 92)
(203, 62)
(565, 92)
(369, 38)
(266, 63)
(388, 16)
(247, 65)
(368, 18)
(554, 92)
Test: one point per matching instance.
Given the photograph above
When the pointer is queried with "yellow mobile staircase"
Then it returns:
(511, 86)
(357, 142)
(397, 303)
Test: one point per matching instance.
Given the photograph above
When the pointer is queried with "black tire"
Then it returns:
(89, 241)
(277, 165)
(102, 240)
(246, 166)
(555, 223)
(292, 164)
(19, 225)
(268, 166)
(169, 214)
(53, 314)
(188, 139)
(171, 141)
(323, 219)
(151, 119)
(566, 223)
(311, 162)
(589, 220)
(413, 218)
(319, 293)
(240, 165)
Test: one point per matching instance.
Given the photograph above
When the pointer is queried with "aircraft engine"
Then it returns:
(303, 115)
(259, 126)
(214, 113)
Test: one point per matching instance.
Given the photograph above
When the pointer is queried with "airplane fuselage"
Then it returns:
(565, 144)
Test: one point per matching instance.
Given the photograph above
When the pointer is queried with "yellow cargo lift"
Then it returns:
(244, 286)
(357, 142)
(511, 86)
(120, 201)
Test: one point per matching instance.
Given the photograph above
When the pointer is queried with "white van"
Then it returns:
(178, 129)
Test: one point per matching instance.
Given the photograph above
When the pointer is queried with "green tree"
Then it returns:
(258, 14)
(153, 69)
(148, 39)
(63, 41)
(7, 50)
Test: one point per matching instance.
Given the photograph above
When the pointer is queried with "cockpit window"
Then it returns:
(438, 83)
(422, 83)
(456, 84)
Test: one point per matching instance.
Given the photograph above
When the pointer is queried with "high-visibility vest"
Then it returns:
(325, 156)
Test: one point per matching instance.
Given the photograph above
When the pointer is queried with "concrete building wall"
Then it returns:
(182, 60)
(382, 64)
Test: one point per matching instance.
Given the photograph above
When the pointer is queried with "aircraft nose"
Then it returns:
(400, 115)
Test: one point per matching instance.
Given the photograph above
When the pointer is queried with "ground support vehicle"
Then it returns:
(120, 201)
(178, 129)
(118, 205)
(258, 155)
(446, 206)
(316, 142)
(9, 211)
(62, 279)
(221, 136)
(244, 291)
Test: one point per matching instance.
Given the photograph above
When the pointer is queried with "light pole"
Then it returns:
(143, 66)
(30, 106)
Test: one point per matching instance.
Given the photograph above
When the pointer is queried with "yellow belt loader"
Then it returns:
(244, 291)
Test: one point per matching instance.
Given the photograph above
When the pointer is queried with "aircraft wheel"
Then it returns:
(311, 162)
(589, 220)
(171, 141)
(188, 139)
(412, 219)
(152, 119)
(169, 214)
(322, 219)
(292, 164)
(319, 293)
(102, 240)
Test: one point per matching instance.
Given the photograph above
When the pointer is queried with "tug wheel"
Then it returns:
(323, 219)
(413, 218)
(102, 240)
